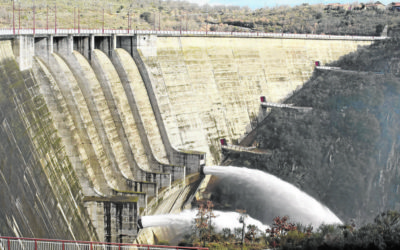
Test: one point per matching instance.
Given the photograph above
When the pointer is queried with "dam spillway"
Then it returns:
(98, 129)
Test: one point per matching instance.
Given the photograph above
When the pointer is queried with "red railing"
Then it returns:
(14, 243)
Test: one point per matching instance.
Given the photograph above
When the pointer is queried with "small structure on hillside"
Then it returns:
(395, 6)
(338, 6)
(375, 6)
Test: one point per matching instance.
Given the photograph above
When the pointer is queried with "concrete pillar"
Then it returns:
(70, 44)
(113, 42)
(24, 50)
(91, 47)
(50, 44)
(86, 48)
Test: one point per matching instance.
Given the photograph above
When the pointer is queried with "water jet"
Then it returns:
(274, 197)
(183, 222)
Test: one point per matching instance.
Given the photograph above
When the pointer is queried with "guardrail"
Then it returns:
(252, 150)
(283, 105)
(237, 148)
(328, 68)
(182, 33)
(12, 243)
(338, 69)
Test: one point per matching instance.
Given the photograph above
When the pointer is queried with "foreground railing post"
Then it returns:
(8, 244)
(35, 244)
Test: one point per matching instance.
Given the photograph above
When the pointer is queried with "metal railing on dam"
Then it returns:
(8, 32)
(12, 243)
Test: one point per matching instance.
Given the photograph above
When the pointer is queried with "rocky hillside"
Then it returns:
(346, 151)
(355, 19)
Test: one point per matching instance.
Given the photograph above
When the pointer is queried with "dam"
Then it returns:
(97, 128)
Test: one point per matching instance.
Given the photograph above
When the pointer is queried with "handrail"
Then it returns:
(238, 147)
(11, 31)
(14, 243)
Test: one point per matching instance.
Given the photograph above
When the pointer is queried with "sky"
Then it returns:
(254, 4)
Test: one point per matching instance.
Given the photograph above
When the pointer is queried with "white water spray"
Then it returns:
(277, 196)
(183, 221)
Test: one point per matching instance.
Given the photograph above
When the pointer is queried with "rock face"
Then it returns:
(88, 140)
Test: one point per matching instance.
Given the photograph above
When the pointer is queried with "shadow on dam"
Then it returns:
(97, 130)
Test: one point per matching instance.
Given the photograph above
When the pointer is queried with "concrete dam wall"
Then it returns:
(96, 130)
(210, 88)
(40, 192)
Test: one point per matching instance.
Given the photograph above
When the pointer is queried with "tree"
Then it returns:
(252, 232)
(279, 228)
(147, 17)
(204, 221)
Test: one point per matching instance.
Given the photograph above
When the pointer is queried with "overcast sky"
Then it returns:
(254, 4)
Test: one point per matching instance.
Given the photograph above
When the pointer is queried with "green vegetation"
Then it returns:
(317, 19)
(183, 15)
(204, 233)
(382, 233)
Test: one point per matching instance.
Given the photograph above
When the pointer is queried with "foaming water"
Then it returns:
(184, 221)
(276, 196)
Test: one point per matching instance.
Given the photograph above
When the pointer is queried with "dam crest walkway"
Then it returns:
(65, 32)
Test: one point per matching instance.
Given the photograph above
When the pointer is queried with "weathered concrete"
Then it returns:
(97, 124)
(83, 45)
(139, 137)
(69, 91)
(209, 88)
(192, 159)
(44, 46)
(175, 199)
(40, 194)
(120, 216)
(24, 50)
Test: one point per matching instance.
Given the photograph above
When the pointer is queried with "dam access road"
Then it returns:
(98, 127)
